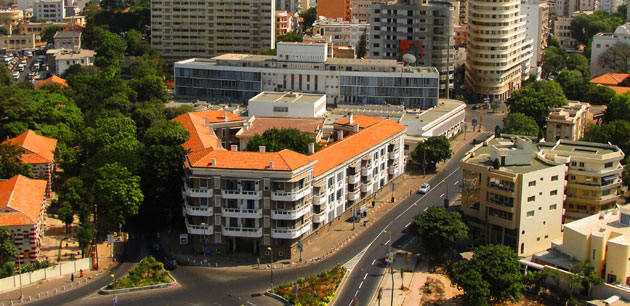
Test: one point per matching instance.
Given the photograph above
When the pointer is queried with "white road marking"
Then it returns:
(250, 303)
(442, 195)
(456, 183)
(355, 294)
(408, 224)
(386, 242)
(425, 209)
(373, 261)
(361, 284)
(365, 276)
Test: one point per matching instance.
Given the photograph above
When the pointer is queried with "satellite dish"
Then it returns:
(409, 58)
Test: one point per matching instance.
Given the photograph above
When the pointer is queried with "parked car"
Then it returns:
(16, 75)
(476, 106)
(424, 188)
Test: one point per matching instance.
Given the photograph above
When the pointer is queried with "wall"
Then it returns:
(13, 282)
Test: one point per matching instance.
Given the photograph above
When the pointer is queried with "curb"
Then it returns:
(341, 285)
(277, 297)
(104, 291)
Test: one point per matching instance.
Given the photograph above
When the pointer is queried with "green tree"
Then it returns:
(5, 76)
(495, 265)
(8, 250)
(585, 26)
(436, 149)
(136, 44)
(309, 17)
(289, 37)
(110, 49)
(572, 83)
(48, 33)
(599, 95)
(625, 175)
(617, 57)
(536, 100)
(112, 134)
(616, 132)
(439, 230)
(618, 108)
(520, 124)
(149, 112)
(276, 140)
(588, 275)
(73, 192)
(268, 52)
(85, 235)
(144, 65)
(149, 87)
(362, 48)
(553, 61)
(553, 42)
(166, 133)
(579, 62)
(173, 112)
(117, 192)
(10, 164)
(66, 214)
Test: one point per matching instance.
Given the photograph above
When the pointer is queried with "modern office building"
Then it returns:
(334, 9)
(182, 30)
(264, 202)
(53, 10)
(602, 42)
(512, 195)
(593, 175)
(287, 104)
(538, 27)
(306, 67)
(498, 50)
(568, 122)
(361, 9)
(424, 29)
(342, 33)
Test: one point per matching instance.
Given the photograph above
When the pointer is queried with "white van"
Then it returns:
(16, 75)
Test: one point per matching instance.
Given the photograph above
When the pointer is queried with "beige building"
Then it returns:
(562, 31)
(498, 49)
(190, 29)
(518, 204)
(285, 22)
(361, 9)
(10, 18)
(568, 122)
(342, 33)
(592, 177)
(18, 42)
(604, 240)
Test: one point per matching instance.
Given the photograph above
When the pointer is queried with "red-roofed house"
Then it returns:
(206, 126)
(250, 201)
(52, 80)
(39, 152)
(619, 82)
(22, 210)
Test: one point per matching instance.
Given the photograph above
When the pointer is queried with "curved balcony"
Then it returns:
(319, 199)
(366, 188)
(290, 233)
(241, 194)
(354, 179)
(291, 195)
(241, 213)
(320, 217)
(198, 192)
(354, 195)
(195, 229)
(193, 210)
(239, 231)
(393, 155)
(281, 214)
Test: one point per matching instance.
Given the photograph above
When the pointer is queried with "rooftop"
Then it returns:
(67, 34)
(37, 149)
(583, 148)
(21, 200)
(483, 156)
(288, 97)
(69, 54)
(201, 135)
(568, 112)
(53, 79)
(444, 107)
(607, 221)
(258, 125)
(610, 78)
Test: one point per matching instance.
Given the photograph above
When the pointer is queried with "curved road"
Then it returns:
(216, 286)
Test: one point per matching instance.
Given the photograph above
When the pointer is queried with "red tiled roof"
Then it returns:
(285, 160)
(38, 149)
(619, 89)
(53, 79)
(74, 27)
(610, 78)
(202, 137)
(362, 121)
(307, 125)
(350, 146)
(21, 200)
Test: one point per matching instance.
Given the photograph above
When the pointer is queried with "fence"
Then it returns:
(57, 271)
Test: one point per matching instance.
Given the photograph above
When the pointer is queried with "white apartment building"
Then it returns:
(342, 33)
(287, 104)
(53, 10)
(66, 58)
(610, 6)
(604, 41)
(253, 201)
(519, 203)
(211, 27)
(498, 51)
(306, 67)
(421, 28)
(537, 26)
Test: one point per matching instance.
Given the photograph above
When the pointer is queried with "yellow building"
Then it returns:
(568, 122)
(604, 239)
(10, 18)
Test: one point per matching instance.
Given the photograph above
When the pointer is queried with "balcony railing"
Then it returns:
(393, 155)
(241, 194)
(354, 179)
(239, 231)
(366, 188)
(501, 187)
(198, 192)
(195, 229)
(281, 214)
(241, 213)
(290, 195)
(366, 172)
(193, 210)
(320, 217)
(319, 199)
(290, 233)
(355, 195)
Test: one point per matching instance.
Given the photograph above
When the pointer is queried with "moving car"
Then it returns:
(424, 188)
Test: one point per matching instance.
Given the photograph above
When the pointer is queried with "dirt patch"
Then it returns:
(438, 290)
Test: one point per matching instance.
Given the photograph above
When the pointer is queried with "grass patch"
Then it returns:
(148, 272)
(317, 290)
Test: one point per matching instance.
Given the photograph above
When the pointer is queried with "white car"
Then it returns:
(424, 188)
(16, 75)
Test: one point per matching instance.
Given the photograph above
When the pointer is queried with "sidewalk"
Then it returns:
(410, 278)
(42, 289)
(333, 236)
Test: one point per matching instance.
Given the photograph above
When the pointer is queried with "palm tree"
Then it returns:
(588, 275)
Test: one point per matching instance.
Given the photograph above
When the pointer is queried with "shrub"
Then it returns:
(148, 272)
(316, 289)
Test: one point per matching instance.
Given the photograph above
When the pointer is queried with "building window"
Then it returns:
(581, 164)
(531, 199)
(532, 183)
(266, 203)
(266, 239)
(217, 238)
(553, 206)
(554, 178)
(530, 213)
(573, 164)
(608, 165)
(280, 109)
(553, 192)
(217, 219)
(266, 221)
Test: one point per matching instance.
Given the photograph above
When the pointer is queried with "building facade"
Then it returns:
(53, 10)
(518, 203)
(424, 29)
(10, 18)
(211, 27)
(284, 23)
(562, 31)
(602, 42)
(23, 211)
(66, 58)
(538, 27)
(498, 51)
(290, 6)
(287, 104)
(568, 122)
(334, 9)
(342, 33)
(610, 6)
(263, 202)
(306, 67)
(361, 9)
(67, 40)
(567, 8)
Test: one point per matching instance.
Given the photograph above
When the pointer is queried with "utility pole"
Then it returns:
(271, 253)
(94, 245)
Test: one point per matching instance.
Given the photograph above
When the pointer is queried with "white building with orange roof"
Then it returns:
(22, 210)
(252, 201)
(39, 152)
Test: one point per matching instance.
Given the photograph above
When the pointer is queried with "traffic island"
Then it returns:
(147, 275)
(317, 289)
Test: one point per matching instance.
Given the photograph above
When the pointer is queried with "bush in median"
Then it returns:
(148, 272)
(316, 289)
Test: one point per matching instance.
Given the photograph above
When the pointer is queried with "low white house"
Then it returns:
(66, 58)
(287, 104)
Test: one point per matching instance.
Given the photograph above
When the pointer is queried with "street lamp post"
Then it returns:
(391, 266)
(115, 294)
(271, 260)
(204, 241)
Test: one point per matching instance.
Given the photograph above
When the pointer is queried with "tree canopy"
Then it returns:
(617, 57)
(436, 149)
(536, 100)
(10, 164)
(117, 192)
(8, 250)
(599, 95)
(616, 132)
(520, 124)
(290, 37)
(585, 26)
(309, 17)
(618, 108)
(362, 48)
(48, 33)
(553, 61)
(5, 76)
(492, 275)
(276, 140)
(573, 83)
(439, 229)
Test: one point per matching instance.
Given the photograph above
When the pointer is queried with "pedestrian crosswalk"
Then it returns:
(354, 260)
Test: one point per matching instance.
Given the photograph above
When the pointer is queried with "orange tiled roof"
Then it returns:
(285, 160)
(202, 137)
(307, 125)
(341, 151)
(610, 78)
(38, 149)
(74, 27)
(362, 121)
(53, 79)
(21, 200)
(619, 89)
